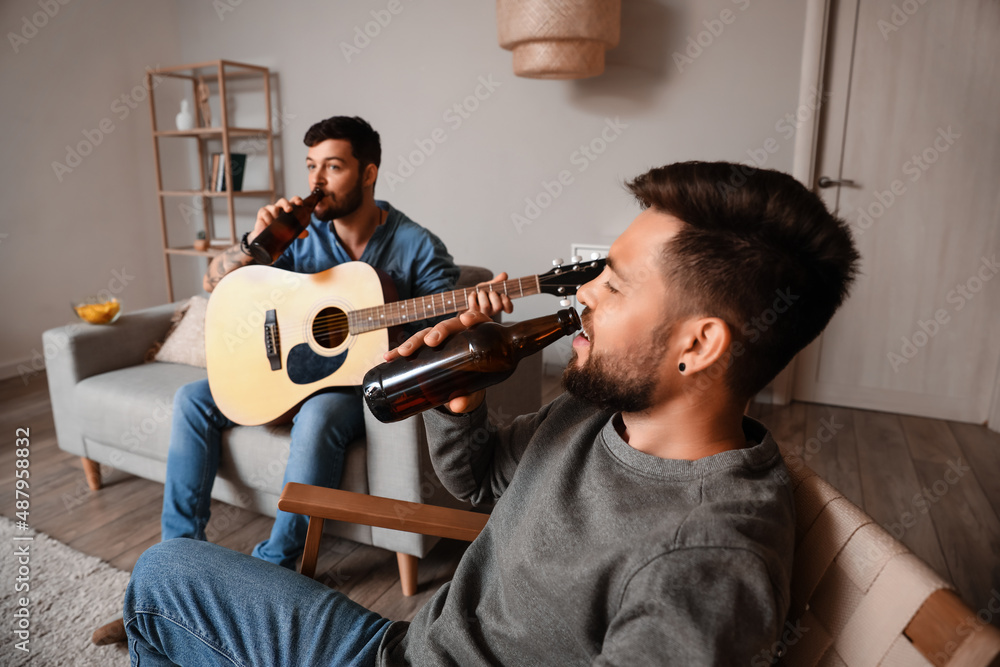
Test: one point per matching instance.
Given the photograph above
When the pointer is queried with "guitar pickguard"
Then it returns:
(306, 367)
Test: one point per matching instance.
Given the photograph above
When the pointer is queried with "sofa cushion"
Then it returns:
(255, 456)
(131, 408)
(185, 341)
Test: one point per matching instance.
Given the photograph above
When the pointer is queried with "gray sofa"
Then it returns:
(113, 409)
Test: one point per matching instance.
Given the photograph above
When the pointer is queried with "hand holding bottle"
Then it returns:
(483, 305)
(268, 214)
(279, 224)
(434, 336)
(475, 354)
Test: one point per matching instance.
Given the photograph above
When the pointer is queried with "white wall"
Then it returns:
(405, 80)
(93, 227)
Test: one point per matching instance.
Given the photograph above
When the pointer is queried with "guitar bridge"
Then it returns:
(272, 340)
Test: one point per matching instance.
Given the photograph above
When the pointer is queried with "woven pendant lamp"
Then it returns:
(558, 39)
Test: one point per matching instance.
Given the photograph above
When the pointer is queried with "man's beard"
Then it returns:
(627, 384)
(342, 209)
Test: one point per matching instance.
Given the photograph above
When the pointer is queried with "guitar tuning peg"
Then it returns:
(557, 262)
(575, 259)
(595, 255)
(564, 303)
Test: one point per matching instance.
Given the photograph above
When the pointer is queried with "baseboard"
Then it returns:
(22, 367)
(953, 408)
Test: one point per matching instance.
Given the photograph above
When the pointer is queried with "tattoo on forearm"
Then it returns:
(233, 258)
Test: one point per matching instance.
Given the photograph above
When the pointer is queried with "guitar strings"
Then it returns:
(338, 324)
(451, 303)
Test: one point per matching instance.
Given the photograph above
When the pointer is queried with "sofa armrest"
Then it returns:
(399, 467)
(78, 351)
(82, 350)
(395, 457)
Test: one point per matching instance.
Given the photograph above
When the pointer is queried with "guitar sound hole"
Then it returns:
(330, 327)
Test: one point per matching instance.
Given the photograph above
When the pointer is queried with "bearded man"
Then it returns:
(347, 225)
(640, 518)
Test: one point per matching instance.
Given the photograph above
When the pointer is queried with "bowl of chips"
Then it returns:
(98, 309)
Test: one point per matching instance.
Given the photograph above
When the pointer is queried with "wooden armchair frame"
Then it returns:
(935, 630)
(320, 503)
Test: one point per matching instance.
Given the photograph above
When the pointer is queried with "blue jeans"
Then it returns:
(195, 603)
(324, 426)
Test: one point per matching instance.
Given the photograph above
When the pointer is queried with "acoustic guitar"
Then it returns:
(273, 338)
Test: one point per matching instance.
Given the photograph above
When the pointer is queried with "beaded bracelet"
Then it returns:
(244, 246)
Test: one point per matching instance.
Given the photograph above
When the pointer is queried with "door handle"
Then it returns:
(827, 182)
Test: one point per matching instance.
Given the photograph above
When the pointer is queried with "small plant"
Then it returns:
(200, 243)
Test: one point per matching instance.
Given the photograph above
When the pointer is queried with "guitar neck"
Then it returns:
(434, 305)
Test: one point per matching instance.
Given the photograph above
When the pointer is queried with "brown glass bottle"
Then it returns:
(267, 247)
(469, 361)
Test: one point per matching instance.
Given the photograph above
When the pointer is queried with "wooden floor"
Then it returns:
(935, 484)
(122, 520)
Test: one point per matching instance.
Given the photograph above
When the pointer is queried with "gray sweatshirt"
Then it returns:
(599, 554)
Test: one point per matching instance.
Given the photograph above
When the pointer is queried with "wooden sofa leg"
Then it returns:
(92, 469)
(407, 573)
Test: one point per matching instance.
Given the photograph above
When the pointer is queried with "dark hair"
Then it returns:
(759, 251)
(364, 140)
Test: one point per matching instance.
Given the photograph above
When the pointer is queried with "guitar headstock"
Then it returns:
(565, 279)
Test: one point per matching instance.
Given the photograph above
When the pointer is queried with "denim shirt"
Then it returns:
(415, 258)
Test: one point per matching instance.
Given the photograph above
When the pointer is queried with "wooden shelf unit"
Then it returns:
(218, 72)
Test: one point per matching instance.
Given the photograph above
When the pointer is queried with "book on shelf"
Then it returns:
(214, 178)
(237, 162)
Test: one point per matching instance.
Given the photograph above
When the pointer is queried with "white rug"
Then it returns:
(69, 595)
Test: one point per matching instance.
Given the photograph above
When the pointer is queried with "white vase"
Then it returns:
(184, 120)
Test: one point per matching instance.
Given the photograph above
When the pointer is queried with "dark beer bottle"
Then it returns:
(267, 247)
(483, 355)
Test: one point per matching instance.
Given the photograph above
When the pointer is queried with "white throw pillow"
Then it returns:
(185, 341)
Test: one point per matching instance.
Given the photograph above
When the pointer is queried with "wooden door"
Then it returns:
(913, 118)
